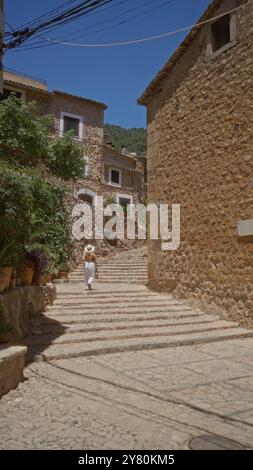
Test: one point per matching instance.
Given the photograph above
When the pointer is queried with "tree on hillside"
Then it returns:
(133, 140)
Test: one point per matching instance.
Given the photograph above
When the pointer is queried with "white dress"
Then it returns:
(90, 271)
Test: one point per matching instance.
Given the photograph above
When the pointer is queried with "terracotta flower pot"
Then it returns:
(12, 284)
(55, 275)
(63, 275)
(5, 277)
(47, 278)
(44, 279)
(26, 276)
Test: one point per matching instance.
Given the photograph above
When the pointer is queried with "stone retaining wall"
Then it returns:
(20, 305)
(12, 362)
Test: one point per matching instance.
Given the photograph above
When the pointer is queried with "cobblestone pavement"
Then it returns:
(150, 397)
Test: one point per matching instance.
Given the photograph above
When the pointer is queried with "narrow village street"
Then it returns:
(123, 367)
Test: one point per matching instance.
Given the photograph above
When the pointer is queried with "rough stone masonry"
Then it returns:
(200, 155)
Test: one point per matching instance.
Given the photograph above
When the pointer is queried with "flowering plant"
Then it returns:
(39, 259)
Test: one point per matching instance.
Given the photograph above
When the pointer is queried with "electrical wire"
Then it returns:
(157, 7)
(34, 45)
(152, 38)
(45, 15)
(66, 17)
(78, 14)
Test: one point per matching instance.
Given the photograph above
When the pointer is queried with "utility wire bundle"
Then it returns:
(47, 22)
(31, 36)
(92, 29)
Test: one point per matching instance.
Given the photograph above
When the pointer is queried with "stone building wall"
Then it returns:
(25, 80)
(200, 155)
(93, 128)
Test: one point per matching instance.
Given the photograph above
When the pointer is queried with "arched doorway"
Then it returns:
(86, 195)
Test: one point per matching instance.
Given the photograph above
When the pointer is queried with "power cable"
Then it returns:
(45, 15)
(151, 38)
(66, 17)
(84, 29)
(157, 7)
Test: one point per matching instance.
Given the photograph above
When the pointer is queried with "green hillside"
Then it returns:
(133, 140)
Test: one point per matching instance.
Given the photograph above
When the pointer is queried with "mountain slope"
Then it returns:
(132, 140)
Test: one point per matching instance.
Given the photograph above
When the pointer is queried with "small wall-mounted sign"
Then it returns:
(245, 228)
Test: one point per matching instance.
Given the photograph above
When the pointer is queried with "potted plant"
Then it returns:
(47, 276)
(7, 258)
(26, 270)
(64, 269)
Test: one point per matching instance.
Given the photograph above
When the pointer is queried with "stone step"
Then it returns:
(101, 306)
(87, 298)
(112, 271)
(139, 282)
(108, 267)
(109, 335)
(112, 276)
(123, 279)
(117, 266)
(94, 348)
(87, 319)
(122, 296)
(116, 281)
(61, 315)
(120, 324)
(112, 335)
(121, 266)
(81, 315)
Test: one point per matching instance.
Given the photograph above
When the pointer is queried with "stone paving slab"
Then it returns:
(88, 403)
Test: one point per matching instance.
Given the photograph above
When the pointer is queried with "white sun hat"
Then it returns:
(89, 249)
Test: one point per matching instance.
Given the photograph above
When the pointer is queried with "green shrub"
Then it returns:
(32, 215)
(64, 267)
(16, 210)
(28, 139)
(66, 157)
(22, 132)
(50, 228)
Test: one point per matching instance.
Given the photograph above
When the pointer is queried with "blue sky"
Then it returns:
(116, 76)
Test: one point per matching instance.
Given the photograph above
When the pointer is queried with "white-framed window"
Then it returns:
(115, 177)
(124, 199)
(86, 167)
(71, 122)
(8, 90)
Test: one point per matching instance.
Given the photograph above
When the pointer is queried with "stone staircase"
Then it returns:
(121, 314)
(130, 267)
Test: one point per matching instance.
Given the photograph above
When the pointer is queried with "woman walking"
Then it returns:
(90, 266)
